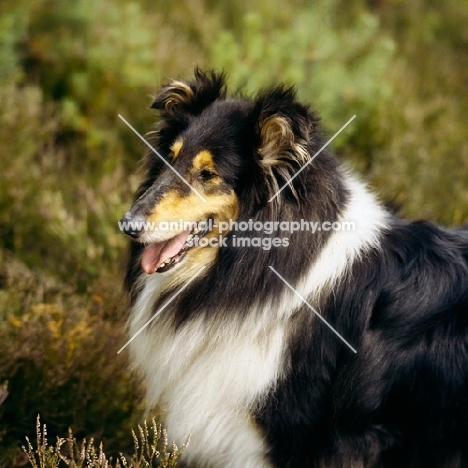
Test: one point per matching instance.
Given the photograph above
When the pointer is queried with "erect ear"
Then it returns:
(283, 129)
(179, 98)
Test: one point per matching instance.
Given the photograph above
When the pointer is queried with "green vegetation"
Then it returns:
(69, 165)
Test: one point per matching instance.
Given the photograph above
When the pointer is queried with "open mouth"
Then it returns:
(163, 256)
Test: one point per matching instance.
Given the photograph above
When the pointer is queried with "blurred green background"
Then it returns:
(68, 165)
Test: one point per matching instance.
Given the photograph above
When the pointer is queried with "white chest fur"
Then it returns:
(207, 378)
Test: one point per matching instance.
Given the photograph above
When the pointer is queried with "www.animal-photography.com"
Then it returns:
(234, 236)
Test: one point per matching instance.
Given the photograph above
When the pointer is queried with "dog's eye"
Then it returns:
(206, 174)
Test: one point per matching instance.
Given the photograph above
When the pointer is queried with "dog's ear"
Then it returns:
(179, 98)
(283, 128)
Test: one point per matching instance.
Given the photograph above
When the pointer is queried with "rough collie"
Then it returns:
(281, 315)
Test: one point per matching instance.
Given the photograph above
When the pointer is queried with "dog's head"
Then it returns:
(214, 160)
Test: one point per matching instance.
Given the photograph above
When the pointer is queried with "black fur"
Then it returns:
(402, 400)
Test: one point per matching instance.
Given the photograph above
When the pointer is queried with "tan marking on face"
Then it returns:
(200, 256)
(203, 160)
(175, 148)
(174, 207)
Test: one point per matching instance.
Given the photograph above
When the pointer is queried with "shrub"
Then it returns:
(306, 50)
(59, 355)
(150, 448)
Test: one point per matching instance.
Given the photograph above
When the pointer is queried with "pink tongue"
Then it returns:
(158, 253)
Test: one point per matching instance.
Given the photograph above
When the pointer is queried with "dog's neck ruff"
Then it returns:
(366, 220)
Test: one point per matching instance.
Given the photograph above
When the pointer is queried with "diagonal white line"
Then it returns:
(312, 309)
(312, 158)
(162, 159)
(160, 310)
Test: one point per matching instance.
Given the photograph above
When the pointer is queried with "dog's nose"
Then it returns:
(133, 226)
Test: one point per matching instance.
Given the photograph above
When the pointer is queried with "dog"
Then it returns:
(273, 344)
